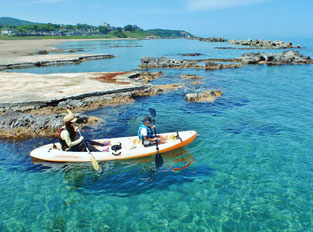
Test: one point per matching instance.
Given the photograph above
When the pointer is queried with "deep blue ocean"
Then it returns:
(250, 168)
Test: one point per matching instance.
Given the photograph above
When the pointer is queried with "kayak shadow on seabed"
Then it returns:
(131, 177)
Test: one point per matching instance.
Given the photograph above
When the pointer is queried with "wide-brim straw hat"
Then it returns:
(69, 117)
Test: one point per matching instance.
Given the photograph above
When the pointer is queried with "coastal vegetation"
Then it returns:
(16, 29)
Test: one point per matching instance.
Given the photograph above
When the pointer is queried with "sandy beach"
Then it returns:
(16, 48)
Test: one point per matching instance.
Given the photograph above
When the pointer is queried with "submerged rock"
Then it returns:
(191, 54)
(206, 96)
(189, 76)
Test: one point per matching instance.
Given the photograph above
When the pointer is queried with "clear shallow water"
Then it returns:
(249, 170)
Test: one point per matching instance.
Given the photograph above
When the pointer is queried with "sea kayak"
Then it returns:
(119, 149)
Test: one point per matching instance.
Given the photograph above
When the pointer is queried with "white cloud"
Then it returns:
(200, 5)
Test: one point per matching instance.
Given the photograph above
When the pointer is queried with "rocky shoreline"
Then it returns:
(48, 60)
(268, 44)
(287, 57)
(34, 105)
(210, 39)
(164, 62)
(28, 119)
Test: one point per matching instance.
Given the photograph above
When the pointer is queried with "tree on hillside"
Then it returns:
(69, 27)
(129, 28)
(132, 28)
(103, 30)
(85, 27)
(118, 32)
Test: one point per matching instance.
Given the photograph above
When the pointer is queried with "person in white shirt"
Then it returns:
(145, 133)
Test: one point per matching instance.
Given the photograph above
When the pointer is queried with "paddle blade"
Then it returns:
(158, 160)
(152, 112)
(94, 163)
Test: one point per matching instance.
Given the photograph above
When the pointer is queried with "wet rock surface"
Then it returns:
(205, 96)
(191, 76)
(191, 54)
(210, 39)
(164, 62)
(269, 44)
(23, 116)
(147, 77)
(287, 57)
(16, 125)
(34, 104)
(47, 60)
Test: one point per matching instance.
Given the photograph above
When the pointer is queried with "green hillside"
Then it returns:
(21, 29)
(8, 21)
(164, 33)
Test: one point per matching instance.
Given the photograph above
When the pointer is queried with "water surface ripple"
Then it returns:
(250, 169)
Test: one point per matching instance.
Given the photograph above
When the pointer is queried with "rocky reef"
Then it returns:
(43, 118)
(287, 57)
(267, 44)
(210, 39)
(164, 62)
(205, 96)
(191, 76)
(16, 125)
(48, 60)
(192, 54)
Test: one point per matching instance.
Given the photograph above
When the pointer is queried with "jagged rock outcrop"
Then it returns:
(191, 54)
(269, 44)
(18, 125)
(206, 96)
(147, 77)
(287, 57)
(28, 118)
(164, 62)
(190, 76)
(209, 65)
(210, 39)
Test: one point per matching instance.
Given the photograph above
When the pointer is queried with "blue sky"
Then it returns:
(239, 19)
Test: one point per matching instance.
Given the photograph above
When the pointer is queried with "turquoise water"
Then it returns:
(250, 169)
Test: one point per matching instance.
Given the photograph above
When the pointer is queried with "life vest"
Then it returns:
(61, 141)
(149, 129)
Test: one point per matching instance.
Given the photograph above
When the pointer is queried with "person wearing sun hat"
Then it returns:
(68, 133)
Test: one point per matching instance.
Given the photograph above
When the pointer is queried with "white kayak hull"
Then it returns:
(131, 148)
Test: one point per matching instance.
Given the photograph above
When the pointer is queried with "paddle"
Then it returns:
(158, 158)
(93, 160)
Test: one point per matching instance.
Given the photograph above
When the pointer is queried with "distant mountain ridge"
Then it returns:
(8, 21)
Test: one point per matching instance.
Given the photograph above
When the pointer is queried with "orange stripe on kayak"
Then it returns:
(185, 143)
